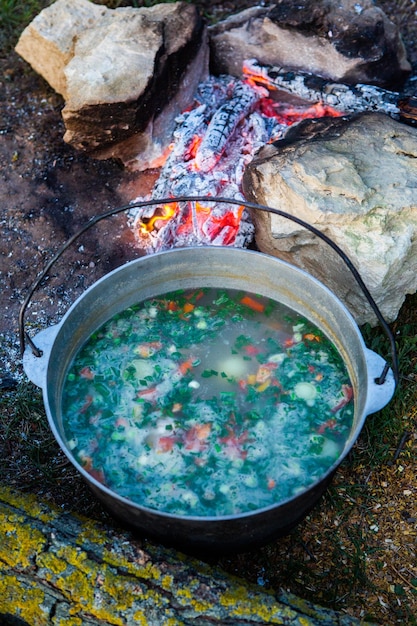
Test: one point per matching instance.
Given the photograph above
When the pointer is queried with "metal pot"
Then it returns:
(209, 267)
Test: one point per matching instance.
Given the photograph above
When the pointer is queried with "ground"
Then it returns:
(362, 538)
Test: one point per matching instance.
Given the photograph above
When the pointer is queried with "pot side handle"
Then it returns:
(378, 394)
(36, 366)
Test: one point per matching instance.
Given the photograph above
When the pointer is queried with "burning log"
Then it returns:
(64, 569)
(222, 126)
(213, 143)
(343, 98)
(346, 42)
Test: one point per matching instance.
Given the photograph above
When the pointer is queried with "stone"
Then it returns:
(354, 179)
(349, 41)
(47, 44)
(125, 73)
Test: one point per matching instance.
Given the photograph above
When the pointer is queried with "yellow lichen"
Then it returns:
(147, 571)
(29, 504)
(78, 585)
(173, 621)
(240, 603)
(234, 595)
(22, 600)
(20, 542)
(68, 621)
(140, 618)
(166, 582)
(90, 532)
(51, 562)
(186, 596)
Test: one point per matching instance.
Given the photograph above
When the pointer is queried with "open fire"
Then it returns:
(230, 120)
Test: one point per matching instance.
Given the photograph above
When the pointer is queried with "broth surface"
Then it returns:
(207, 402)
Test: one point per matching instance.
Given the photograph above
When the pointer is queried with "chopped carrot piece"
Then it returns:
(186, 366)
(195, 294)
(253, 304)
(271, 483)
(188, 307)
(311, 337)
(87, 404)
(166, 443)
(97, 474)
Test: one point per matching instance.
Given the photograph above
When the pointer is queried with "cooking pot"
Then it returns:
(191, 268)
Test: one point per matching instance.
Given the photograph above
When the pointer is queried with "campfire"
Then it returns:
(213, 142)
(232, 134)
(217, 137)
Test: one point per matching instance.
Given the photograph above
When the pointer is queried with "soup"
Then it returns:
(207, 402)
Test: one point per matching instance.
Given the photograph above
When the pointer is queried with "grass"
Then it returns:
(15, 15)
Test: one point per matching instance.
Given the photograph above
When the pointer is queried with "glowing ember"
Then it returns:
(213, 142)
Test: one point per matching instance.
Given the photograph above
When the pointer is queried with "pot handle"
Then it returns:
(37, 352)
(35, 363)
(377, 395)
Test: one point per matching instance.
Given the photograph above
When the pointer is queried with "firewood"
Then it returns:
(60, 568)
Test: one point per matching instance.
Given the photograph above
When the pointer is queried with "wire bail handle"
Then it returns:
(25, 338)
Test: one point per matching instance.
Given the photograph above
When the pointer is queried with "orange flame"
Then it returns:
(158, 218)
(192, 149)
(289, 115)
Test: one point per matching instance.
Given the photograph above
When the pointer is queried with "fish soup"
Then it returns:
(207, 402)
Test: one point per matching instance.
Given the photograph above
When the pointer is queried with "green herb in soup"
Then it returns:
(207, 403)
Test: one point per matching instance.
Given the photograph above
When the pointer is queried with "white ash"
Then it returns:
(345, 98)
(230, 131)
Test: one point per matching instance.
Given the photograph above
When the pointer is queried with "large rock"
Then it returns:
(125, 74)
(347, 41)
(49, 40)
(354, 179)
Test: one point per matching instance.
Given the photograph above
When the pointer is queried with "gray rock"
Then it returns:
(349, 41)
(125, 74)
(355, 180)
